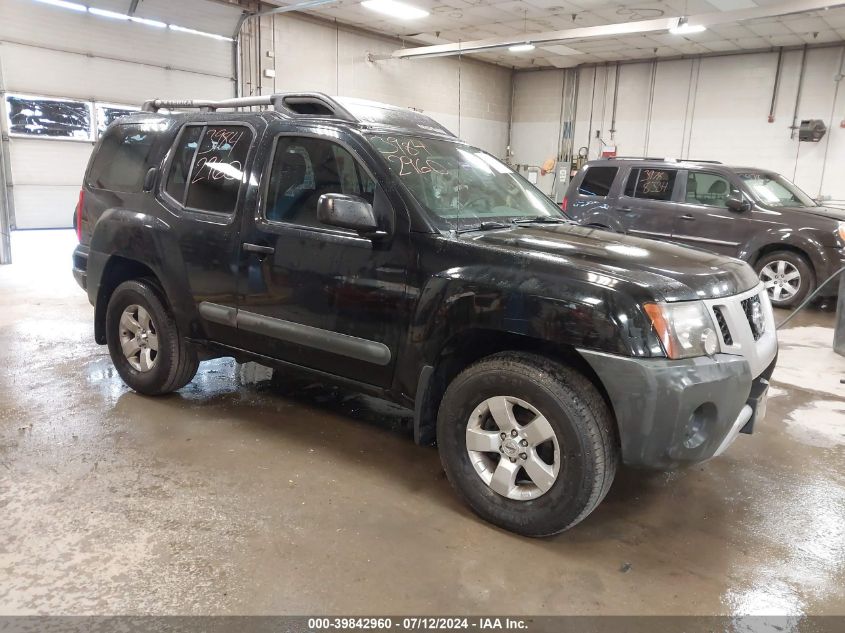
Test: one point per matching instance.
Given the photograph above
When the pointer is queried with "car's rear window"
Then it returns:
(124, 157)
(207, 167)
(597, 181)
(652, 184)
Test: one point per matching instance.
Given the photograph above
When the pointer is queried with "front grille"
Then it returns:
(723, 326)
(753, 309)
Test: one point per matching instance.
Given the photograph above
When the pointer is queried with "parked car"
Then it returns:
(366, 245)
(753, 214)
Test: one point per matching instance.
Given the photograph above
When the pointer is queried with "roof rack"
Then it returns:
(663, 158)
(290, 104)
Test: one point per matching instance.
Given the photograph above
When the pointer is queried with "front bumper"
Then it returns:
(675, 412)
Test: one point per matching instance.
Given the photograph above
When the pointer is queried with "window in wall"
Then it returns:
(708, 189)
(303, 170)
(597, 181)
(207, 168)
(108, 114)
(651, 184)
(124, 159)
(49, 118)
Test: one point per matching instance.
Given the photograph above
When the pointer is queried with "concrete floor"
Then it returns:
(233, 497)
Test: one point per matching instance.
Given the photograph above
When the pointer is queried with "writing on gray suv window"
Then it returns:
(773, 190)
(650, 183)
(461, 186)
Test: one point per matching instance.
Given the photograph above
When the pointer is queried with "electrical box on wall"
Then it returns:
(811, 130)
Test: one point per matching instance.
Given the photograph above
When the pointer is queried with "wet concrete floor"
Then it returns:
(236, 496)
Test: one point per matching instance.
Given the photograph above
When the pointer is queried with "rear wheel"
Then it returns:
(145, 345)
(528, 443)
(787, 276)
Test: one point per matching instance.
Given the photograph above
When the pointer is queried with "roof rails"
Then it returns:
(664, 159)
(290, 104)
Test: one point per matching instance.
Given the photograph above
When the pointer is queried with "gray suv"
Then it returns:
(752, 214)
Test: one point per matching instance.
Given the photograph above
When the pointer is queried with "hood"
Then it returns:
(667, 272)
(826, 212)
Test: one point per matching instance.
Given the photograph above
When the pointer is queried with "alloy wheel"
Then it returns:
(782, 280)
(138, 338)
(513, 448)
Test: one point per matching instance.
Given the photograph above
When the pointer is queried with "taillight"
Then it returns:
(79, 206)
(565, 203)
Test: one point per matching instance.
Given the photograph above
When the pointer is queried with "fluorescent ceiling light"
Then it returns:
(182, 29)
(683, 27)
(108, 14)
(395, 9)
(73, 6)
(521, 48)
(148, 22)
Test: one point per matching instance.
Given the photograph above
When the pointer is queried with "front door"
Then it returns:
(644, 206)
(703, 218)
(319, 296)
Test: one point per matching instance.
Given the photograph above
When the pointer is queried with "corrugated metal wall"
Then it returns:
(55, 52)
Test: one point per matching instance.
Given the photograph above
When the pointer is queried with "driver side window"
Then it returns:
(710, 190)
(304, 169)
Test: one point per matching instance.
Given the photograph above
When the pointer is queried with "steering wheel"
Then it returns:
(475, 201)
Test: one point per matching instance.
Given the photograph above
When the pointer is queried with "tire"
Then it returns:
(777, 269)
(161, 360)
(583, 450)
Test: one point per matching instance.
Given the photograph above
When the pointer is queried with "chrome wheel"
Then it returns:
(513, 448)
(138, 338)
(782, 280)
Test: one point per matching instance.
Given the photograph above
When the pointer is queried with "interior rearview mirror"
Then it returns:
(348, 212)
(737, 202)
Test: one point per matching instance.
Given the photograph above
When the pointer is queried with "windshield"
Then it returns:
(773, 190)
(461, 186)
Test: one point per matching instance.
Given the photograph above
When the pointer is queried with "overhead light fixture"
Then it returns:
(683, 27)
(521, 48)
(395, 9)
(103, 13)
(183, 29)
(73, 6)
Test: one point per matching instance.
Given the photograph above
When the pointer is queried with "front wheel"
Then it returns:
(787, 276)
(145, 345)
(528, 443)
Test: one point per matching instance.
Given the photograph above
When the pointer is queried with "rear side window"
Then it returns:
(651, 184)
(207, 168)
(124, 157)
(597, 181)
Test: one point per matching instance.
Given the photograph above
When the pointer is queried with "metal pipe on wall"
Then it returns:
(7, 200)
(794, 125)
(776, 87)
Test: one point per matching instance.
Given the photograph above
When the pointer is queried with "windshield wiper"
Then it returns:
(485, 226)
(548, 220)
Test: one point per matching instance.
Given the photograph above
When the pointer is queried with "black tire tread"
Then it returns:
(570, 386)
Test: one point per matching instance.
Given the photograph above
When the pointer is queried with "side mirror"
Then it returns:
(149, 179)
(348, 212)
(737, 202)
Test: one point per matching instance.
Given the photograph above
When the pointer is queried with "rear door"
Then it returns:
(646, 203)
(588, 202)
(703, 219)
(206, 179)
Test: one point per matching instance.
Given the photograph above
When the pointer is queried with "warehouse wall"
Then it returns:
(470, 98)
(54, 52)
(708, 108)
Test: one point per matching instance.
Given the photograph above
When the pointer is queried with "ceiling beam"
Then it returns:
(619, 29)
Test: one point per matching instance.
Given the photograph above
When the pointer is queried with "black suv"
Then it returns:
(366, 245)
(753, 214)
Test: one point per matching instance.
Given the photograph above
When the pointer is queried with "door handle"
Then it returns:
(625, 209)
(688, 217)
(258, 248)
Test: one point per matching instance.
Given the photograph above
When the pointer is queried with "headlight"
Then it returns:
(685, 329)
(841, 231)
